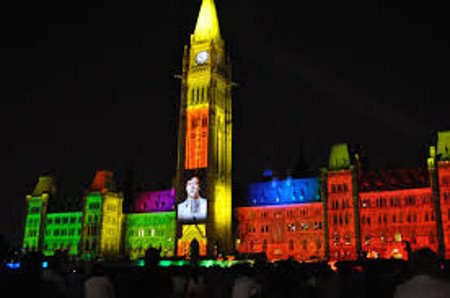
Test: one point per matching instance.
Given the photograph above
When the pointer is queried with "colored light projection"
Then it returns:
(196, 156)
(343, 235)
(222, 209)
(33, 222)
(192, 234)
(36, 212)
(207, 26)
(444, 193)
(91, 226)
(144, 230)
(339, 157)
(282, 231)
(281, 192)
(111, 228)
(193, 207)
(62, 233)
(391, 219)
(155, 201)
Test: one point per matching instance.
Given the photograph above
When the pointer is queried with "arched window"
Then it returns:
(264, 245)
(291, 244)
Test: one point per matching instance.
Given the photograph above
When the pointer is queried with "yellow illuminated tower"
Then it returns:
(204, 141)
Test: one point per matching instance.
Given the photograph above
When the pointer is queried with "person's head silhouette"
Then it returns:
(424, 261)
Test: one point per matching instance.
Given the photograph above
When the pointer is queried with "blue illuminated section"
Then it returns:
(12, 265)
(282, 192)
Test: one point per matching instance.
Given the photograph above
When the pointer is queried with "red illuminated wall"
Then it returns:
(282, 231)
(444, 187)
(196, 138)
(341, 220)
(390, 218)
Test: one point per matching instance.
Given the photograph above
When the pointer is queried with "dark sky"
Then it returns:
(88, 85)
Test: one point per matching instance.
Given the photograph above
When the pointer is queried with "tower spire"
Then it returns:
(207, 26)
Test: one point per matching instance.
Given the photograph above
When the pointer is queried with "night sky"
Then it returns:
(89, 85)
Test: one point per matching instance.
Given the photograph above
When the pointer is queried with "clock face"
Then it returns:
(201, 57)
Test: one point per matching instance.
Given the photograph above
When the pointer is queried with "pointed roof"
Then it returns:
(103, 181)
(207, 27)
(45, 184)
(339, 157)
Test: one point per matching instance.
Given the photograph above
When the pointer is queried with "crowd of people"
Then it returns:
(422, 276)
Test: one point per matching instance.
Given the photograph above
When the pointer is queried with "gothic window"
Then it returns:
(291, 244)
(431, 238)
(264, 245)
(345, 188)
(304, 244)
(318, 244)
(426, 217)
(432, 215)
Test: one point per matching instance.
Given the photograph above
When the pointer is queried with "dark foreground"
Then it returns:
(423, 276)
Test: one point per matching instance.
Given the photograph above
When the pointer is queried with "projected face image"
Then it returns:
(193, 188)
(194, 207)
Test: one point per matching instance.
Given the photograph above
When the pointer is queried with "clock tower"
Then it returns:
(203, 177)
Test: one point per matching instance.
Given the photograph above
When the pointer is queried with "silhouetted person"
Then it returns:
(424, 282)
(56, 271)
(98, 285)
(151, 258)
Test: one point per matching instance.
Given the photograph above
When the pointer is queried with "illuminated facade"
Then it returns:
(344, 213)
(204, 140)
(361, 213)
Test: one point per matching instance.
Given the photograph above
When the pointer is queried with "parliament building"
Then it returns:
(343, 213)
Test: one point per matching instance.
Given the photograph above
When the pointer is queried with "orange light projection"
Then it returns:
(196, 138)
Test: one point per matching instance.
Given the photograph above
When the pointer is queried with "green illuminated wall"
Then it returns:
(144, 230)
(36, 212)
(62, 232)
(91, 226)
(36, 206)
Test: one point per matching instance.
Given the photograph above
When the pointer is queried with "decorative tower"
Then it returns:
(37, 212)
(439, 167)
(342, 207)
(204, 142)
(102, 219)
